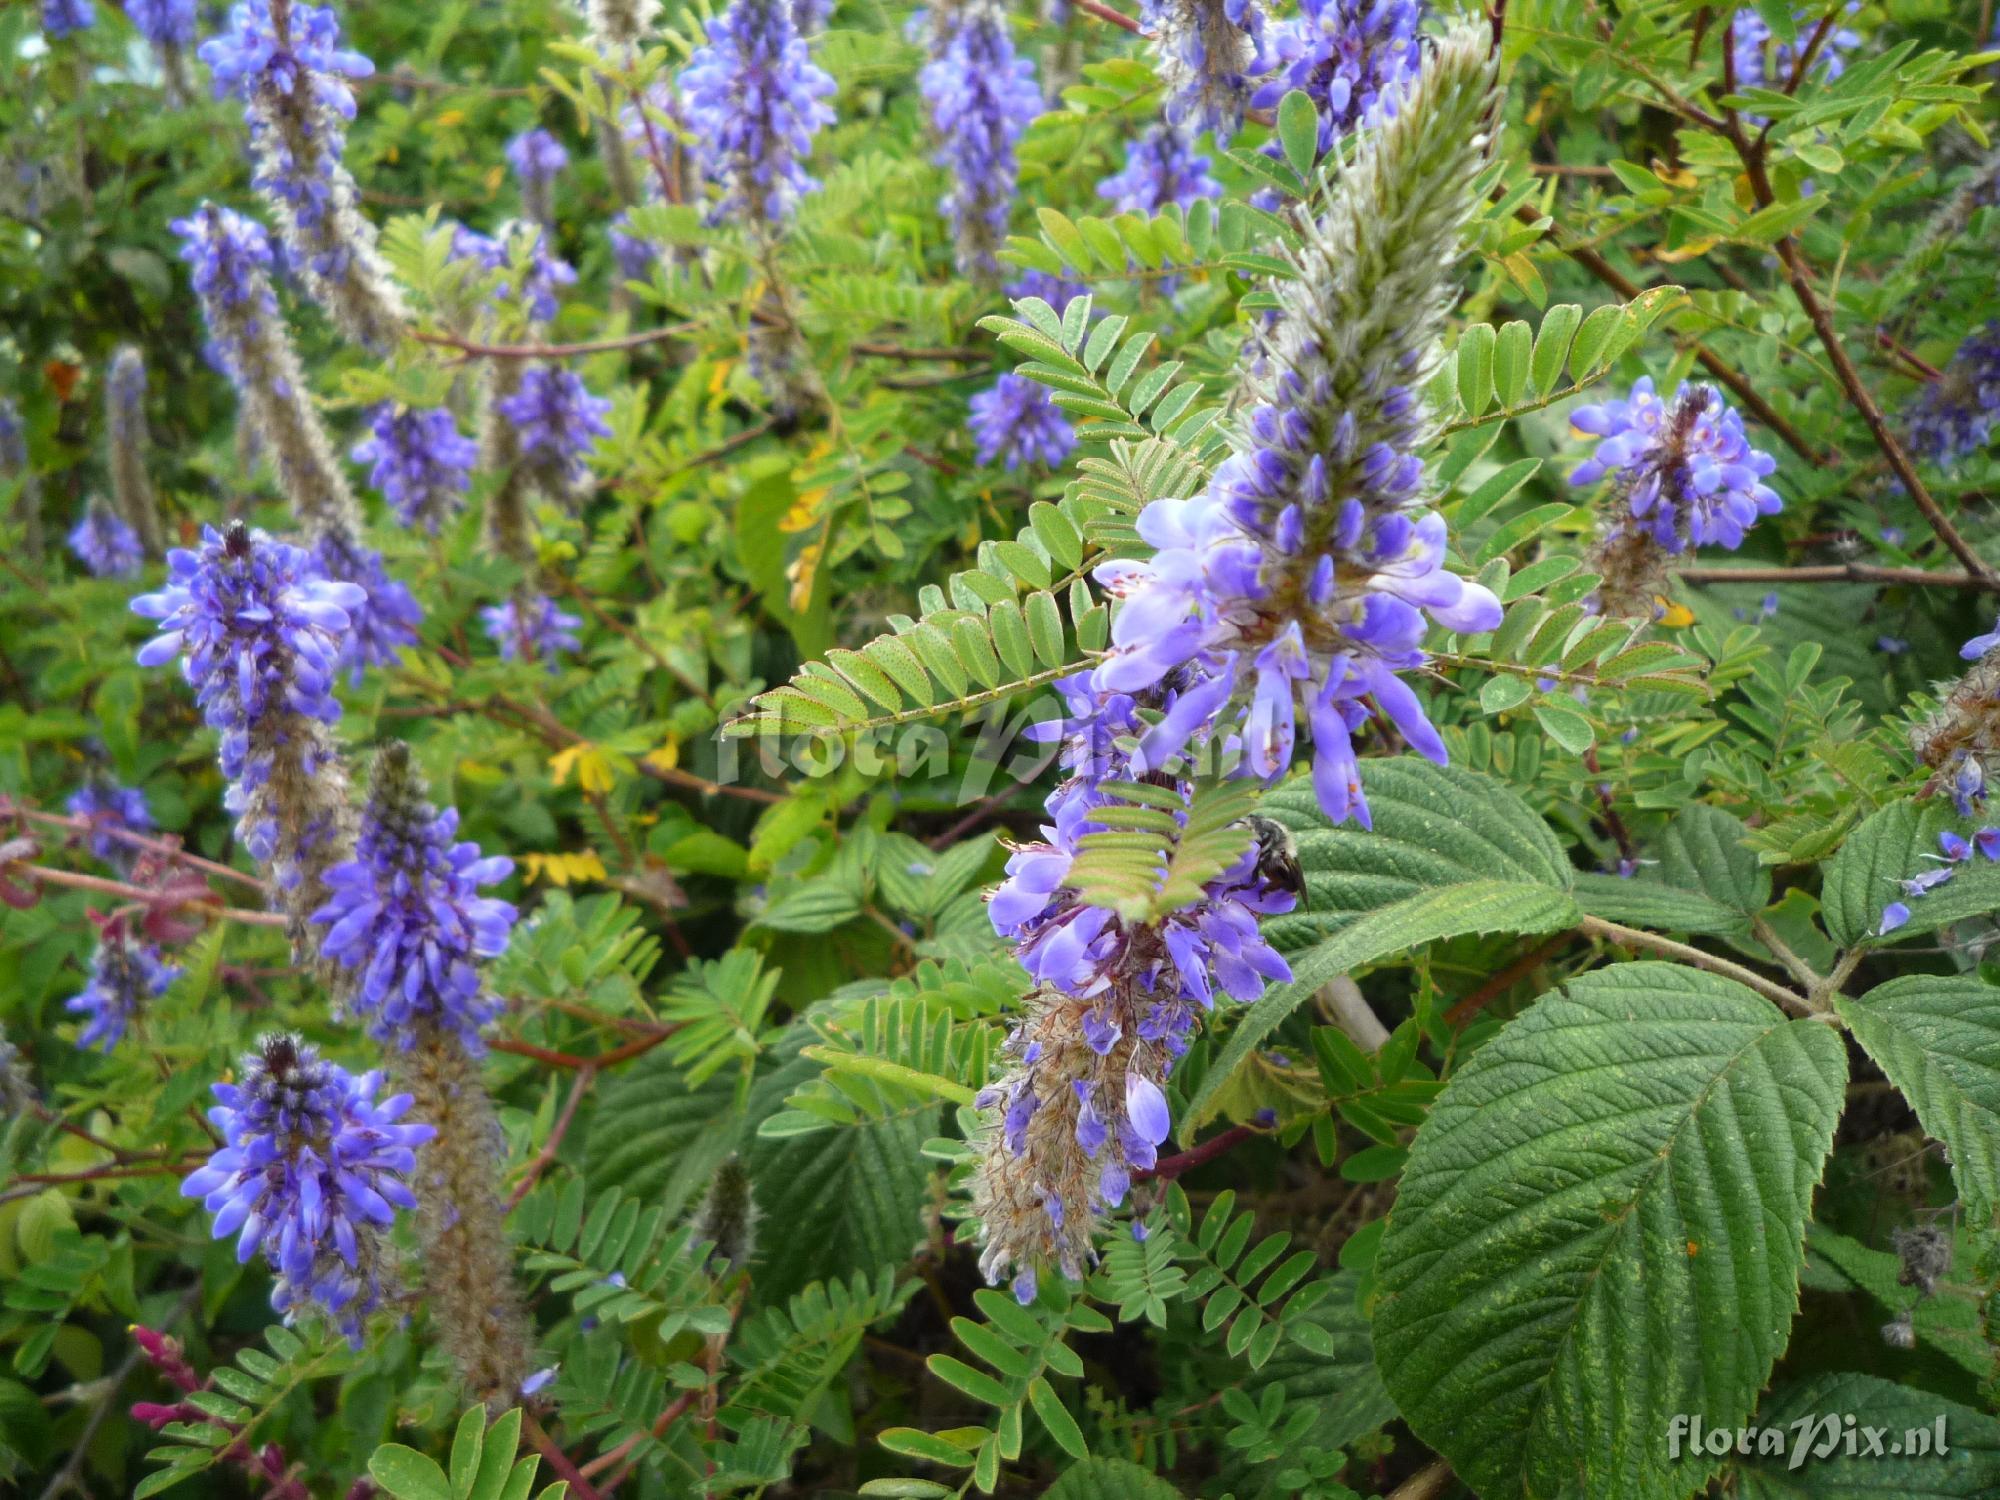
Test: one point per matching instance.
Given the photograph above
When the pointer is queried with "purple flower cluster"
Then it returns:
(531, 628)
(405, 913)
(755, 99)
(1954, 416)
(123, 976)
(558, 421)
(1058, 291)
(1161, 167)
(1685, 468)
(230, 258)
(1307, 572)
(1084, 1106)
(262, 631)
(285, 61)
(384, 620)
(419, 460)
(1353, 58)
(1955, 850)
(312, 1170)
(105, 545)
(61, 18)
(537, 159)
(982, 97)
(108, 805)
(1016, 422)
(1205, 49)
(164, 23)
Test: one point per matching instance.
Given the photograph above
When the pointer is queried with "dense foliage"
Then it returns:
(801, 748)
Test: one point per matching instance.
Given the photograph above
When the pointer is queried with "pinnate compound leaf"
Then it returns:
(1967, 1470)
(1601, 1226)
(1938, 1038)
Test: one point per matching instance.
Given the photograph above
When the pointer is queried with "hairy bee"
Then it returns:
(1277, 855)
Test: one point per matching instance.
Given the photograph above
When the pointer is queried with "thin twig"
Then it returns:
(1922, 578)
(585, 1077)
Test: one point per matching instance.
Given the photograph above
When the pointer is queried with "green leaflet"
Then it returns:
(1938, 1039)
(1969, 1470)
(1621, 1174)
(1892, 845)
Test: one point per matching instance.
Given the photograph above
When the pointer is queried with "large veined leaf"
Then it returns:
(1894, 844)
(1433, 826)
(1109, 1479)
(1473, 906)
(1600, 1226)
(1654, 904)
(1938, 1039)
(658, 1139)
(1700, 879)
(1903, 1420)
(837, 1201)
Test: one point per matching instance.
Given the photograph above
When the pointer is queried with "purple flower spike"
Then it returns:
(312, 1170)
(124, 975)
(105, 545)
(1017, 423)
(982, 97)
(755, 99)
(405, 913)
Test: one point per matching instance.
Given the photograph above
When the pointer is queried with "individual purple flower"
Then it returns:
(105, 545)
(1204, 49)
(1161, 167)
(537, 158)
(982, 97)
(1987, 842)
(124, 975)
(420, 462)
(1952, 417)
(406, 914)
(384, 620)
(1954, 846)
(61, 18)
(285, 60)
(107, 806)
(558, 422)
(1352, 58)
(1307, 574)
(1894, 915)
(311, 1173)
(260, 631)
(754, 100)
(531, 628)
(1016, 422)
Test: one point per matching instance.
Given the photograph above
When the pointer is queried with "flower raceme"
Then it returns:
(1204, 49)
(1953, 417)
(420, 462)
(1352, 58)
(105, 545)
(982, 97)
(405, 913)
(107, 805)
(1685, 476)
(312, 1170)
(1309, 571)
(124, 975)
(1960, 742)
(285, 61)
(260, 630)
(529, 627)
(1084, 1107)
(755, 99)
(1016, 423)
